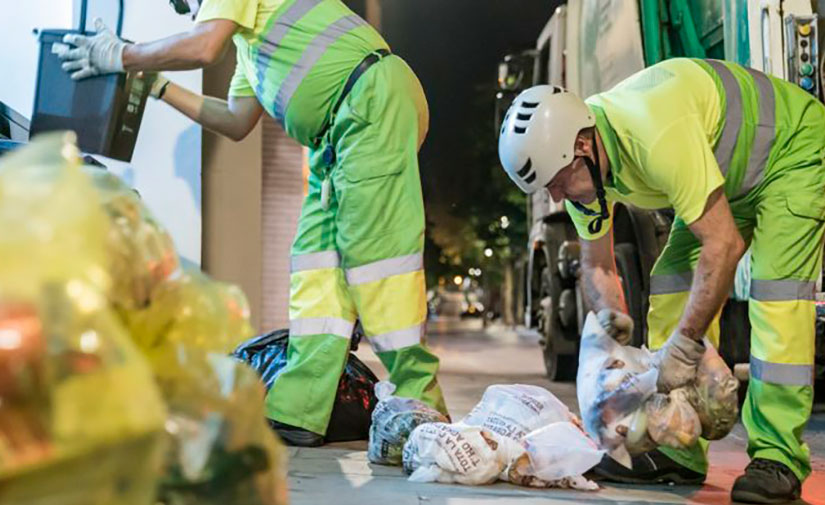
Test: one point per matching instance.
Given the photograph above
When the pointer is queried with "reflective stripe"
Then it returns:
(670, 284)
(765, 133)
(313, 52)
(733, 116)
(321, 326)
(781, 373)
(385, 268)
(399, 339)
(781, 290)
(273, 38)
(315, 261)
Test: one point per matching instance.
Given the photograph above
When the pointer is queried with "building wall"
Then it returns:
(282, 193)
(232, 212)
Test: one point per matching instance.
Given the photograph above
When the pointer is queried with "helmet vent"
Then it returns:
(520, 129)
(529, 105)
(523, 117)
(530, 178)
(525, 169)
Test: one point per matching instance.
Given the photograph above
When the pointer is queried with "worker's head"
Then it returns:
(547, 141)
(186, 6)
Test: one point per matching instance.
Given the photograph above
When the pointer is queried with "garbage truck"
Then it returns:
(587, 46)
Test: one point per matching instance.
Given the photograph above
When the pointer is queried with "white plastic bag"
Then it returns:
(455, 453)
(612, 384)
(393, 420)
(561, 450)
(515, 410)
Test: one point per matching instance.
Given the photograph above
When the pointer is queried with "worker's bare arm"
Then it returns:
(234, 118)
(722, 247)
(201, 46)
(602, 288)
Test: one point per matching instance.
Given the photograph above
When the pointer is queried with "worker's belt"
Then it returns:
(366, 63)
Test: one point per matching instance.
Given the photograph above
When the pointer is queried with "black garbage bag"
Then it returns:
(355, 400)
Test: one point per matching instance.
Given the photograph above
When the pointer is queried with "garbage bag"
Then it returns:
(52, 227)
(140, 251)
(190, 314)
(222, 449)
(515, 410)
(714, 395)
(81, 419)
(617, 394)
(393, 419)
(671, 420)
(612, 384)
(456, 453)
(354, 401)
(556, 455)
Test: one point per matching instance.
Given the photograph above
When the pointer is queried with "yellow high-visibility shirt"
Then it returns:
(659, 127)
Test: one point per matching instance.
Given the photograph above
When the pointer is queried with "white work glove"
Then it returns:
(616, 324)
(159, 82)
(96, 55)
(677, 361)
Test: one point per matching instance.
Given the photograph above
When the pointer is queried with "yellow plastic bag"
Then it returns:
(81, 419)
(140, 251)
(189, 314)
(222, 449)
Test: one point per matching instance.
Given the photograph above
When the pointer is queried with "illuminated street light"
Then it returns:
(458, 279)
(505, 222)
(488, 252)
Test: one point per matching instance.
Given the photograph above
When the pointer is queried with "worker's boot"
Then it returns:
(293, 435)
(766, 481)
(652, 467)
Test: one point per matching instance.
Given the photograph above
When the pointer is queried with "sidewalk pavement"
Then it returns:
(472, 359)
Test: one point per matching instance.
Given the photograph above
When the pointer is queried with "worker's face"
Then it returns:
(573, 182)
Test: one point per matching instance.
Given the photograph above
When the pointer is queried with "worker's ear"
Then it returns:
(583, 145)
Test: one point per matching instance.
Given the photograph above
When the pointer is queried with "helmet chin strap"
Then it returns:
(595, 225)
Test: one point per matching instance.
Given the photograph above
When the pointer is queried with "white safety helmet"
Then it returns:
(538, 134)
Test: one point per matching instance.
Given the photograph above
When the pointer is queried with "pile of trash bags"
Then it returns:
(517, 433)
(393, 419)
(115, 382)
(354, 400)
(626, 415)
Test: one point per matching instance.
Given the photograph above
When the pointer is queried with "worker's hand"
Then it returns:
(99, 54)
(616, 324)
(677, 361)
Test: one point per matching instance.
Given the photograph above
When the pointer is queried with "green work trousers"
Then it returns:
(783, 220)
(361, 257)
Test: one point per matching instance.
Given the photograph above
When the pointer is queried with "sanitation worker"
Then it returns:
(331, 81)
(738, 155)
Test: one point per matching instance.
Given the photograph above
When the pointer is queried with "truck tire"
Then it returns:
(558, 366)
(627, 265)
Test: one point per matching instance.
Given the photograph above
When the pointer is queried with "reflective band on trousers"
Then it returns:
(272, 40)
(321, 326)
(733, 116)
(781, 373)
(385, 268)
(398, 339)
(313, 52)
(315, 261)
(780, 290)
(764, 135)
(670, 284)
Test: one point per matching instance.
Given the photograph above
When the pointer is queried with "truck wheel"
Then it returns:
(627, 264)
(558, 366)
